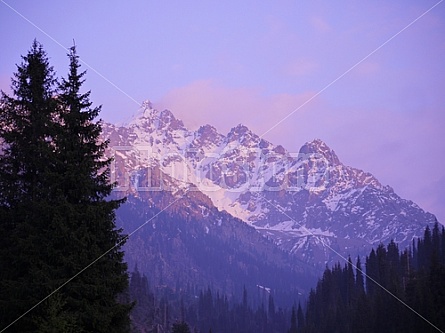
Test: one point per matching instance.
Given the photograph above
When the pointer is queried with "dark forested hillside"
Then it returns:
(393, 291)
(402, 291)
(162, 309)
(192, 243)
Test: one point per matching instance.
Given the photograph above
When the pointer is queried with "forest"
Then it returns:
(157, 309)
(393, 291)
(402, 291)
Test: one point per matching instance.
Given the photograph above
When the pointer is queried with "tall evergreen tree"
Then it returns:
(271, 307)
(83, 192)
(435, 244)
(359, 281)
(350, 282)
(54, 207)
(371, 272)
(442, 242)
(293, 321)
(425, 248)
(300, 317)
(26, 166)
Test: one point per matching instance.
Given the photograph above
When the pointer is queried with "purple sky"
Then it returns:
(255, 62)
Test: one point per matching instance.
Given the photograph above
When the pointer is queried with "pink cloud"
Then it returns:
(279, 34)
(301, 67)
(367, 68)
(320, 24)
(206, 102)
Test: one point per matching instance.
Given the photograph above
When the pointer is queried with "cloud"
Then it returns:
(207, 102)
(320, 24)
(367, 68)
(279, 34)
(301, 67)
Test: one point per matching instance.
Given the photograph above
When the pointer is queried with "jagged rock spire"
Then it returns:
(317, 146)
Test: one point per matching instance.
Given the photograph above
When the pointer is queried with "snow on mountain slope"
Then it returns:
(308, 202)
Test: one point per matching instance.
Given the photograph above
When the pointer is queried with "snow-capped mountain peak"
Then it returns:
(207, 135)
(307, 204)
(244, 136)
(152, 119)
(318, 147)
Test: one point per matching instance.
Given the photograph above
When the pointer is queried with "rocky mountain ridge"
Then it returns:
(308, 202)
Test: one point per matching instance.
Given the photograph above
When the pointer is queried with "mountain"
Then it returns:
(182, 240)
(308, 203)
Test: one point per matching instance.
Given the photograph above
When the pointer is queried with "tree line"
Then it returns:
(190, 309)
(402, 291)
(392, 291)
(61, 263)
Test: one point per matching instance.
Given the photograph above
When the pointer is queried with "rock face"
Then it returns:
(309, 204)
(181, 240)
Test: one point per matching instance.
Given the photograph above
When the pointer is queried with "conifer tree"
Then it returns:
(55, 214)
(271, 307)
(372, 272)
(83, 190)
(293, 321)
(442, 242)
(300, 317)
(359, 281)
(26, 169)
(350, 282)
